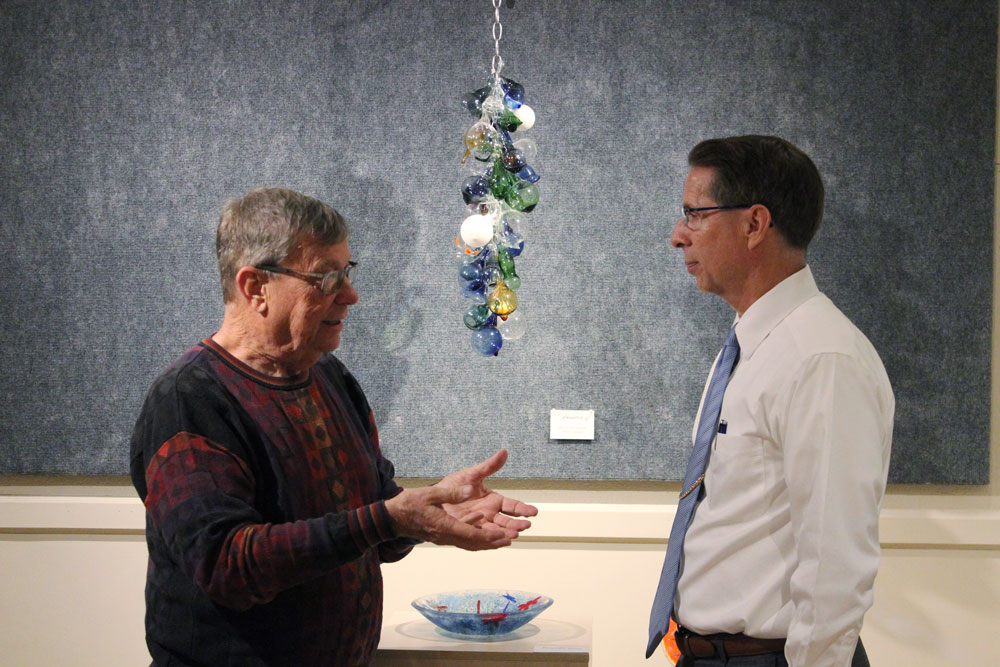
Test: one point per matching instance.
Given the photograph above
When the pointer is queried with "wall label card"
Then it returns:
(571, 425)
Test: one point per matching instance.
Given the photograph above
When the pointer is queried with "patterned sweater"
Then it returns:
(265, 516)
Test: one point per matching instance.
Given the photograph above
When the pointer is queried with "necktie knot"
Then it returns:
(731, 340)
(727, 361)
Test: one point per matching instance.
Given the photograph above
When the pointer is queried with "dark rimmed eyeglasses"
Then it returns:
(327, 283)
(694, 216)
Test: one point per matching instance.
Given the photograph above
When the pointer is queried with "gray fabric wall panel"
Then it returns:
(124, 126)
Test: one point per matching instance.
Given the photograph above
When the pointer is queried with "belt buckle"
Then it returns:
(682, 636)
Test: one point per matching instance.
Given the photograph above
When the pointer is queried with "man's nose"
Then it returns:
(347, 293)
(679, 238)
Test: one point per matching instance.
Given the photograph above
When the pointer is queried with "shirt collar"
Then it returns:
(766, 312)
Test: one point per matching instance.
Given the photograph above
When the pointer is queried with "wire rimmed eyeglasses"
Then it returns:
(693, 216)
(327, 283)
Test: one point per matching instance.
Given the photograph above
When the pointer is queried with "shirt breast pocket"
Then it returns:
(737, 467)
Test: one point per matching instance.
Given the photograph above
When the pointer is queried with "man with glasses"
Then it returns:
(778, 560)
(270, 507)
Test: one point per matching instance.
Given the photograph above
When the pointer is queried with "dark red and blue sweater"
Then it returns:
(265, 515)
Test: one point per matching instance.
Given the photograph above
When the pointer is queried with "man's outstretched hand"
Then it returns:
(484, 506)
(461, 511)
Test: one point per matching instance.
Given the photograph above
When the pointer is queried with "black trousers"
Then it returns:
(771, 660)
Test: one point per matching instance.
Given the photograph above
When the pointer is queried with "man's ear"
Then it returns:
(251, 286)
(758, 225)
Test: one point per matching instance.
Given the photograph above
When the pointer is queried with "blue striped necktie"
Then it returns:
(663, 603)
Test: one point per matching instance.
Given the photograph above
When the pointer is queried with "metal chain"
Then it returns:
(497, 63)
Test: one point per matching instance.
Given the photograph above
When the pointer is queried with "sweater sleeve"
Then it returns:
(393, 550)
(390, 551)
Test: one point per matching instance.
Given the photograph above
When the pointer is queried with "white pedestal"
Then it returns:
(410, 639)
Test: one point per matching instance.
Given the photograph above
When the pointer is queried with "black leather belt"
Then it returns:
(704, 646)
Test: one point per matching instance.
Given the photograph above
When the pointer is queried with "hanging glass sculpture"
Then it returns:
(500, 189)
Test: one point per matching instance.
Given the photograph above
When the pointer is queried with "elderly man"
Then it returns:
(792, 441)
(270, 507)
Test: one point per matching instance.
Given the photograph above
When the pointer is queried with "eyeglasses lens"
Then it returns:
(331, 282)
(691, 218)
(334, 280)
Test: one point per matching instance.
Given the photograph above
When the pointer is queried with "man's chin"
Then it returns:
(332, 342)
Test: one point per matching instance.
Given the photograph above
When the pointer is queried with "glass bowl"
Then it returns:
(481, 612)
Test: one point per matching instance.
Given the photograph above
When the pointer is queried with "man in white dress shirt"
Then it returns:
(784, 540)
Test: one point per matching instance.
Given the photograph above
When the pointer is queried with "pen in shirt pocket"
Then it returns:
(722, 426)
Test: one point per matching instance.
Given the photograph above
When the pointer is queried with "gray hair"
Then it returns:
(264, 226)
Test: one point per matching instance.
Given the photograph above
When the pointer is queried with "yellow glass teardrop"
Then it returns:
(502, 300)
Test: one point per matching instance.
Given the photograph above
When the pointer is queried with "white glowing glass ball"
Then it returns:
(477, 230)
(514, 220)
(513, 327)
(526, 115)
(527, 146)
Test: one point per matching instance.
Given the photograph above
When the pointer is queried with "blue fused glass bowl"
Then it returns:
(481, 612)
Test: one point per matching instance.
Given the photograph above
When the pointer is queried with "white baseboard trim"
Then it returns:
(577, 522)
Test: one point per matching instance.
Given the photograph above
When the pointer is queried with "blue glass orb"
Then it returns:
(528, 174)
(475, 189)
(475, 294)
(473, 101)
(472, 275)
(483, 254)
(514, 243)
(487, 341)
(513, 93)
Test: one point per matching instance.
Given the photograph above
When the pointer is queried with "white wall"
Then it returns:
(73, 568)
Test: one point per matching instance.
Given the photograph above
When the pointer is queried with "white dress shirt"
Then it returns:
(784, 542)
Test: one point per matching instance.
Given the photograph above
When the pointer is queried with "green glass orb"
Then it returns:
(501, 181)
(508, 121)
(476, 316)
(524, 197)
(528, 193)
(505, 260)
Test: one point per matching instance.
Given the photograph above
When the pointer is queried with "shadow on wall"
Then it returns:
(383, 322)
